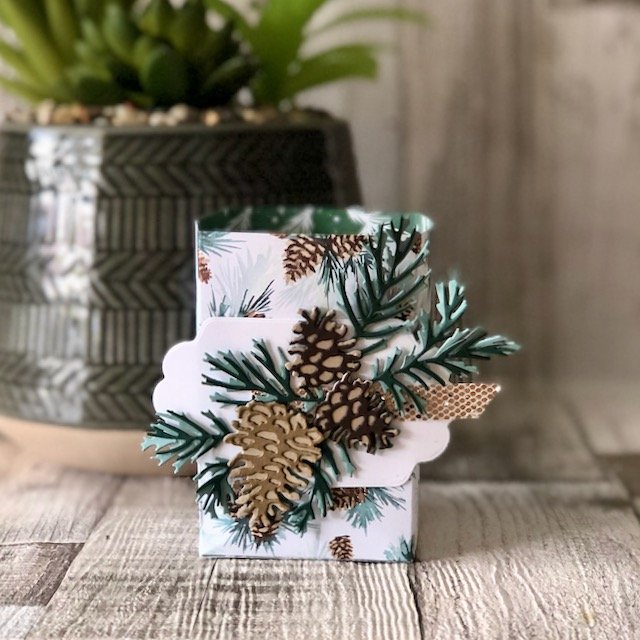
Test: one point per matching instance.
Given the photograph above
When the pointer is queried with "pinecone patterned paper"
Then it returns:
(204, 272)
(302, 257)
(275, 465)
(355, 412)
(347, 497)
(341, 548)
(346, 247)
(322, 353)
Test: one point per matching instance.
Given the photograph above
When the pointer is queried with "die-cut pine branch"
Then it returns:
(214, 489)
(257, 372)
(387, 284)
(316, 500)
(176, 437)
(442, 347)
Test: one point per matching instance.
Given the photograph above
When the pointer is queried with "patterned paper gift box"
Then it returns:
(322, 374)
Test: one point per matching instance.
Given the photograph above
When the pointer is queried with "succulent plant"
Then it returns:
(281, 33)
(155, 54)
(99, 52)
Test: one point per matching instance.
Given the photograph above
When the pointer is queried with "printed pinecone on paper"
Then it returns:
(322, 352)
(302, 256)
(345, 247)
(355, 412)
(341, 548)
(204, 272)
(279, 450)
(347, 497)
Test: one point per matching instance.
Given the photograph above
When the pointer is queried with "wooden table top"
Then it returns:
(529, 529)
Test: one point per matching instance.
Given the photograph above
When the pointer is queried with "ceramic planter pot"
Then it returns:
(96, 263)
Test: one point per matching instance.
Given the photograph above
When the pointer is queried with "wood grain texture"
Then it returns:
(31, 573)
(140, 577)
(526, 434)
(42, 503)
(515, 124)
(528, 561)
(139, 574)
(16, 622)
(315, 600)
(608, 412)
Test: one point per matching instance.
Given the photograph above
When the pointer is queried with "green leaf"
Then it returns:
(119, 32)
(95, 87)
(28, 22)
(188, 28)
(24, 90)
(165, 76)
(16, 59)
(157, 18)
(231, 13)
(339, 63)
(63, 25)
(374, 13)
(176, 437)
(276, 41)
(225, 81)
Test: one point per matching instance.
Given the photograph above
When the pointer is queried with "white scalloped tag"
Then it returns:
(182, 390)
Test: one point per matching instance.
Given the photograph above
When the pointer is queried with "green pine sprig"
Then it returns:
(442, 347)
(386, 284)
(257, 372)
(214, 488)
(370, 510)
(176, 437)
(315, 503)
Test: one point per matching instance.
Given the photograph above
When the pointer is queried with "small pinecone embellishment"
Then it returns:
(341, 548)
(204, 272)
(346, 247)
(418, 243)
(355, 412)
(322, 353)
(348, 497)
(301, 257)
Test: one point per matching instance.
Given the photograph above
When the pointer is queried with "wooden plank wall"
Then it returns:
(516, 125)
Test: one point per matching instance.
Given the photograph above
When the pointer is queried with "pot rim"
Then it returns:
(312, 123)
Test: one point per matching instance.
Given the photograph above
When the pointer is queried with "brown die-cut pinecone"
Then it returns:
(275, 465)
(302, 256)
(345, 247)
(322, 351)
(341, 548)
(347, 497)
(204, 272)
(355, 412)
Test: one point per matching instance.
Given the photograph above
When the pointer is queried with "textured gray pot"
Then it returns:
(96, 249)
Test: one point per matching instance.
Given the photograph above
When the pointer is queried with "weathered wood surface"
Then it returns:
(514, 123)
(31, 573)
(528, 561)
(549, 550)
(42, 503)
(16, 622)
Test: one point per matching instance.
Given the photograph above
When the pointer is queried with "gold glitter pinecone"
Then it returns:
(355, 412)
(275, 465)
